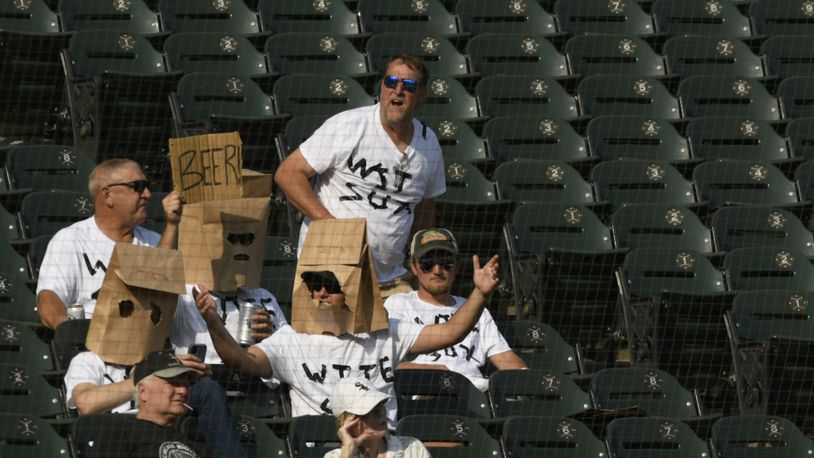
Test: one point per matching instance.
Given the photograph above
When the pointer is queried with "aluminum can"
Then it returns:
(76, 312)
(244, 331)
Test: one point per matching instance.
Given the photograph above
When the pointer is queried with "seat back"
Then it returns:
(423, 391)
(736, 138)
(314, 52)
(505, 95)
(529, 392)
(534, 137)
(599, 16)
(459, 142)
(282, 16)
(23, 435)
(613, 55)
(540, 346)
(214, 52)
(654, 437)
(761, 315)
(800, 133)
(641, 182)
(46, 212)
(655, 391)
(312, 436)
(196, 16)
(781, 17)
(21, 346)
(32, 16)
(515, 54)
(695, 55)
(636, 137)
(24, 391)
(540, 227)
(627, 95)
(488, 16)
(797, 95)
(447, 97)
(94, 52)
(44, 167)
(469, 437)
(694, 17)
(728, 96)
(729, 182)
(805, 179)
(133, 16)
(651, 271)
(17, 302)
(788, 55)
(424, 16)
(746, 226)
(660, 226)
(523, 180)
(759, 436)
(768, 267)
(318, 94)
(440, 56)
(202, 95)
(544, 436)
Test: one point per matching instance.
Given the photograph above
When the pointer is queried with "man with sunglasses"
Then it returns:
(76, 259)
(376, 162)
(433, 261)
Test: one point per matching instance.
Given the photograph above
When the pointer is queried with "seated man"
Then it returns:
(433, 256)
(162, 383)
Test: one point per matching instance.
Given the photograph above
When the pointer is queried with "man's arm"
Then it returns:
(424, 215)
(51, 308)
(173, 207)
(251, 361)
(90, 398)
(507, 360)
(437, 336)
(292, 177)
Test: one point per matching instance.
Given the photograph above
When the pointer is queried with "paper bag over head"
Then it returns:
(136, 303)
(338, 246)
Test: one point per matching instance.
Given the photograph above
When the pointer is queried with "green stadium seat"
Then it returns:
(729, 137)
(524, 180)
(800, 133)
(489, 16)
(767, 267)
(534, 137)
(731, 182)
(544, 436)
(541, 346)
(316, 52)
(46, 212)
(759, 436)
(425, 391)
(804, 175)
(9, 227)
(279, 269)
(660, 226)
(613, 55)
(505, 95)
(728, 96)
(602, 17)
(447, 97)
(637, 137)
(217, 52)
(197, 16)
(749, 226)
(627, 95)
(470, 439)
(32, 16)
(324, 95)
(36, 252)
(312, 436)
(789, 55)
(655, 391)
(761, 315)
(459, 143)
(23, 435)
(642, 182)
(298, 129)
(13, 263)
(530, 392)
(654, 437)
(440, 56)
(24, 391)
(515, 54)
(425, 16)
(796, 93)
(17, 301)
(133, 16)
(701, 17)
(781, 17)
(690, 56)
(69, 341)
(280, 16)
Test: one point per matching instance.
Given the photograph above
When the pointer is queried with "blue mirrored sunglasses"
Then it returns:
(392, 82)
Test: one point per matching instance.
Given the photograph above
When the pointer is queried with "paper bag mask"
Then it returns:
(136, 303)
(338, 246)
(223, 242)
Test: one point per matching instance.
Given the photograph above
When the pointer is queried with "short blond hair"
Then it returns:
(102, 173)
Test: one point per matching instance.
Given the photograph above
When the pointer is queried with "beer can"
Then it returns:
(76, 312)
(244, 331)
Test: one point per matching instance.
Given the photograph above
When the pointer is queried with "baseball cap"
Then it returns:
(355, 395)
(427, 240)
(161, 364)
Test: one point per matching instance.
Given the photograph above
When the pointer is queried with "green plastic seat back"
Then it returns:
(23, 390)
(69, 341)
(599, 16)
(22, 346)
(9, 229)
(736, 138)
(550, 436)
(797, 95)
(203, 95)
(781, 17)
(690, 56)
(728, 182)
(440, 56)
(613, 55)
(489, 16)
(627, 95)
(447, 97)
(459, 143)
(132, 16)
(756, 436)
(768, 267)
(44, 167)
(660, 226)
(651, 271)
(13, 263)
(728, 96)
(655, 391)
(657, 437)
(318, 94)
(636, 137)
(523, 180)
(641, 182)
(23, 435)
(515, 53)
(540, 227)
(94, 52)
(46, 212)
(540, 345)
(800, 133)
(299, 128)
(279, 266)
(312, 436)
(470, 438)
(788, 55)
(465, 183)
(745, 225)
(533, 137)
(314, 52)
(760, 315)
(31, 16)
(17, 302)
(423, 391)
(529, 392)
(401, 16)
(694, 17)
(805, 178)
(214, 52)
(282, 16)
(505, 95)
(197, 16)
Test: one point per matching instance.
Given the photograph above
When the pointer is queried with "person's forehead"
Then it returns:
(400, 69)
(127, 173)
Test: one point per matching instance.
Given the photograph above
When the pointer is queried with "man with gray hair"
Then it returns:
(76, 259)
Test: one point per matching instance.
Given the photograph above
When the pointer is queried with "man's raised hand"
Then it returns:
(486, 278)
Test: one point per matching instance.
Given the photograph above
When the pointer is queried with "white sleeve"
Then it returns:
(84, 368)
(404, 334)
(182, 336)
(394, 309)
(491, 339)
(328, 146)
(272, 347)
(59, 271)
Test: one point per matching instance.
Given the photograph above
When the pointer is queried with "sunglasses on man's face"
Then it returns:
(137, 185)
(331, 286)
(392, 82)
(426, 264)
(243, 238)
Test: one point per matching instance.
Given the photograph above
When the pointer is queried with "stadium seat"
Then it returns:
(796, 93)
(315, 52)
(690, 56)
(515, 54)
(425, 391)
(312, 436)
(781, 17)
(701, 17)
(13, 263)
(447, 97)
(524, 180)
(636, 137)
(298, 129)
(440, 56)
(541, 346)
(751, 226)
(279, 268)
(23, 435)
(655, 391)
(728, 96)
(46, 212)
(805, 179)
(534, 137)
(530, 392)
(197, 16)
(217, 52)
(767, 267)
(800, 133)
(132, 17)
(759, 436)
(281, 16)
(505, 95)
(247, 395)
(627, 95)
(45, 167)
(69, 341)
(489, 16)
(459, 142)
(33, 17)
(470, 439)
(24, 391)
(730, 182)
(324, 95)
(602, 17)
(17, 302)
(429, 16)
(36, 252)
(660, 226)
(9, 227)
(613, 55)
(541, 227)
(789, 55)
(641, 182)
(654, 437)
(20, 345)
(716, 137)
(543, 436)
(761, 315)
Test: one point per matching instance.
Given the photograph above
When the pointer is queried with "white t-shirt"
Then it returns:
(467, 356)
(76, 260)
(88, 367)
(397, 447)
(312, 364)
(189, 327)
(362, 174)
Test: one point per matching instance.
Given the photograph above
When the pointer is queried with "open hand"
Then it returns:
(486, 278)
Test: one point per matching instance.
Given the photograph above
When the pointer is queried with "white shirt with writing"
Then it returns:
(88, 367)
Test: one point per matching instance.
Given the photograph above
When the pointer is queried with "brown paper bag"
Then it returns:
(223, 242)
(207, 167)
(339, 246)
(136, 303)
(256, 184)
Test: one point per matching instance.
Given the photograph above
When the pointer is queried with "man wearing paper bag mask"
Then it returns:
(340, 327)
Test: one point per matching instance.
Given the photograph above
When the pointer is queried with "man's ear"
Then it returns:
(413, 267)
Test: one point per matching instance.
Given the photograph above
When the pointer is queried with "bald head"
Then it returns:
(108, 172)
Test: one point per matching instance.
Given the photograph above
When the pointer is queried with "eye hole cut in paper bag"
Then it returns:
(136, 303)
(207, 167)
(339, 246)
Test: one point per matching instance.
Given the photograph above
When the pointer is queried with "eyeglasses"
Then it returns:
(243, 238)
(392, 82)
(137, 185)
(331, 286)
(428, 263)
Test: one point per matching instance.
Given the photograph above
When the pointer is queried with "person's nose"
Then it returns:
(182, 391)
(322, 293)
(147, 193)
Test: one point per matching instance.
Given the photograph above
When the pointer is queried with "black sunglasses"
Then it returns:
(137, 185)
(243, 238)
(315, 283)
(426, 264)
(393, 81)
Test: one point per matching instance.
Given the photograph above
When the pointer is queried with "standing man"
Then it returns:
(77, 256)
(434, 262)
(378, 163)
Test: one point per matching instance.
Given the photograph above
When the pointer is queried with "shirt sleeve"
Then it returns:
(84, 368)
(58, 271)
(271, 347)
(493, 341)
(326, 147)
(404, 334)
(181, 335)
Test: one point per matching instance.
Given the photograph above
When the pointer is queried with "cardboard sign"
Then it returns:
(339, 246)
(207, 167)
(256, 184)
(223, 242)
(136, 303)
